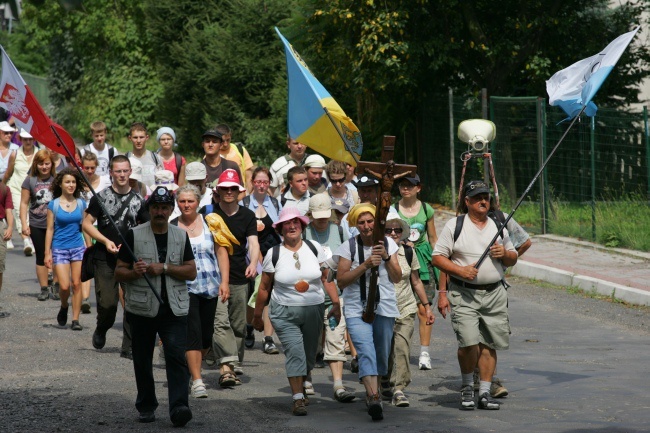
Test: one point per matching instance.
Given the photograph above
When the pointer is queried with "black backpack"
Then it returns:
(497, 216)
(275, 255)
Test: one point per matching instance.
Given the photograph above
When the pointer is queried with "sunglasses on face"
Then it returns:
(229, 188)
(397, 230)
(341, 180)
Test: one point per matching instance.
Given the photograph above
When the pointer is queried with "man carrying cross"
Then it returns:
(477, 299)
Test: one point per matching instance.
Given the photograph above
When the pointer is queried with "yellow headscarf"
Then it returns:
(357, 210)
(220, 232)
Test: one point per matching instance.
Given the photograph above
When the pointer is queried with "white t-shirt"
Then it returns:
(286, 276)
(150, 164)
(353, 307)
(102, 157)
(470, 246)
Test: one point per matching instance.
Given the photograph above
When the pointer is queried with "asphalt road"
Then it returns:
(575, 365)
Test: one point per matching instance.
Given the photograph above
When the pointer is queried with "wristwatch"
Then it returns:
(164, 268)
(387, 259)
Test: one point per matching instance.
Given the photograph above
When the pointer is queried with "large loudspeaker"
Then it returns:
(477, 133)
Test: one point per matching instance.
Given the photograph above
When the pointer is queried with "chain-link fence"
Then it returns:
(596, 186)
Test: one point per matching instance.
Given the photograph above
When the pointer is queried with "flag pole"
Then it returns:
(101, 204)
(345, 143)
(528, 188)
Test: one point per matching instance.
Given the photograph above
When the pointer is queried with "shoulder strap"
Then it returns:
(56, 206)
(353, 245)
(426, 208)
(179, 162)
(240, 148)
(246, 201)
(283, 199)
(128, 154)
(459, 226)
(275, 203)
(155, 158)
(111, 153)
(397, 206)
(312, 247)
(408, 252)
(340, 233)
(275, 255)
(499, 218)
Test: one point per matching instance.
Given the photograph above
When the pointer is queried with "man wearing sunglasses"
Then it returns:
(477, 298)
(242, 223)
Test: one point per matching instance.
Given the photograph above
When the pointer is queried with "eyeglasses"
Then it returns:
(341, 180)
(7, 133)
(261, 182)
(229, 188)
(296, 257)
(397, 230)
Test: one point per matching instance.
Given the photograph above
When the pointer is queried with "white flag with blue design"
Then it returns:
(574, 87)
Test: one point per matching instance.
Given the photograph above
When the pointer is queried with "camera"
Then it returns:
(478, 133)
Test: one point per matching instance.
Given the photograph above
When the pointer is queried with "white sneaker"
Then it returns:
(309, 388)
(10, 245)
(28, 249)
(425, 361)
(198, 390)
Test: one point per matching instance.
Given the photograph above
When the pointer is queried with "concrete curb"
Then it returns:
(564, 278)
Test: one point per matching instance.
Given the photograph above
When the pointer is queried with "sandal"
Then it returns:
(227, 380)
(237, 381)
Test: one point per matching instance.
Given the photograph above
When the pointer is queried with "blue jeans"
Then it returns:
(173, 333)
(373, 342)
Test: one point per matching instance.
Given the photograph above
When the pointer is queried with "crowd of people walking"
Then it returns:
(201, 253)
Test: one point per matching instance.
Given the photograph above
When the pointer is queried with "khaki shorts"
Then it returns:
(479, 316)
(334, 347)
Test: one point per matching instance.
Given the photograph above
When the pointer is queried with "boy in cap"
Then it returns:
(315, 165)
(214, 163)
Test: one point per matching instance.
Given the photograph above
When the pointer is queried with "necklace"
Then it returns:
(189, 226)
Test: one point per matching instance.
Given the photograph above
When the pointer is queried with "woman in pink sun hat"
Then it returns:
(293, 280)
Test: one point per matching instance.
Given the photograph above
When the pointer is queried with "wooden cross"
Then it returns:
(387, 172)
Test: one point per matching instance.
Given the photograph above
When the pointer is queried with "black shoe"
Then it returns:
(99, 339)
(249, 340)
(320, 363)
(180, 416)
(85, 306)
(147, 416)
(485, 401)
(126, 354)
(4, 314)
(62, 317)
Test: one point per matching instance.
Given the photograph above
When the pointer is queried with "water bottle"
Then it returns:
(332, 320)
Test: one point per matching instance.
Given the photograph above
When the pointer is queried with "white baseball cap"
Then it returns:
(195, 171)
(25, 134)
(6, 127)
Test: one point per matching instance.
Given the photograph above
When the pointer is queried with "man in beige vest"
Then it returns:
(165, 255)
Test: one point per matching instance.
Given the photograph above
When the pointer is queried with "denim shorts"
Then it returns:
(65, 256)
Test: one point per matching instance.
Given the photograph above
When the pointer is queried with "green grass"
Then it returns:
(620, 223)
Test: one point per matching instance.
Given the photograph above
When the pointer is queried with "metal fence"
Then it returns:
(605, 159)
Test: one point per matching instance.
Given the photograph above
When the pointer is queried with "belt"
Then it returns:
(486, 287)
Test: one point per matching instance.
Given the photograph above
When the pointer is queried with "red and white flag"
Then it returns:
(19, 100)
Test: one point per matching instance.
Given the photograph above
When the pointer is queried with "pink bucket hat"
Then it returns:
(288, 213)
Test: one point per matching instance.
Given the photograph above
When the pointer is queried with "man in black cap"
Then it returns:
(214, 163)
(477, 298)
(165, 255)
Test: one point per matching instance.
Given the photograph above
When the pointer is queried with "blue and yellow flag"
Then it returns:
(307, 116)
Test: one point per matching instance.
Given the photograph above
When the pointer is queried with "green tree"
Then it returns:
(222, 62)
(100, 63)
